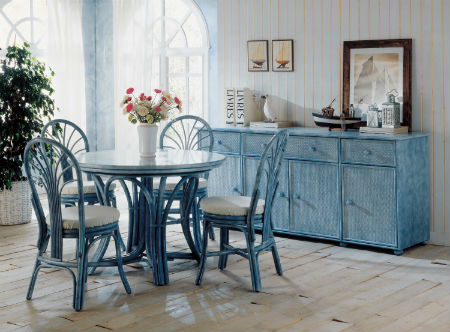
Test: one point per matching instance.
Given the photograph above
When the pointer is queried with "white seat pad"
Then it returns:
(88, 188)
(230, 205)
(171, 182)
(94, 215)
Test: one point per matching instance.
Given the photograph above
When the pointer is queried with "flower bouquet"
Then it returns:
(148, 111)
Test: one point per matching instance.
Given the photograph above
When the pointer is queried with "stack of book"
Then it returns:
(385, 131)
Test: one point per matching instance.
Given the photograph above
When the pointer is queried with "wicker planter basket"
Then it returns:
(15, 204)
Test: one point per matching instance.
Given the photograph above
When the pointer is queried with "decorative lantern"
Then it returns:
(391, 111)
(373, 116)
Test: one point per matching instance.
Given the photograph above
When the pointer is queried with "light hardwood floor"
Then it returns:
(324, 288)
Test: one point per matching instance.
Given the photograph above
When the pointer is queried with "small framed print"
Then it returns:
(258, 55)
(283, 55)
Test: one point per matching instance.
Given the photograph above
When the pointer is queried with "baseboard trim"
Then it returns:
(440, 238)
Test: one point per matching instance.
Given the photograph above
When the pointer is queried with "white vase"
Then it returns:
(148, 134)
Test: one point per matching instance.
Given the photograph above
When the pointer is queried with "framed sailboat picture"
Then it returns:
(258, 55)
(283, 55)
(374, 68)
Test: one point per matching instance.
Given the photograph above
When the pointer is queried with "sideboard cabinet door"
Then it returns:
(369, 205)
(314, 190)
(226, 179)
(280, 208)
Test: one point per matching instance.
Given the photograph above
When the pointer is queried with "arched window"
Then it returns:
(24, 20)
(180, 54)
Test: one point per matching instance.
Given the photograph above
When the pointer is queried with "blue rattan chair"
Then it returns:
(241, 213)
(51, 166)
(187, 132)
(73, 138)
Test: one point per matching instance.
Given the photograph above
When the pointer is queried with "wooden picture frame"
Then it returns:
(283, 55)
(258, 55)
(370, 67)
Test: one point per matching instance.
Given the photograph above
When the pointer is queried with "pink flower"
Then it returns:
(158, 108)
(130, 90)
(149, 98)
(164, 98)
(129, 99)
(129, 107)
(158, 91)
(177, 101)
(141, 98)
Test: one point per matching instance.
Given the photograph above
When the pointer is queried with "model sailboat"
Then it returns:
(258, 57)
(282, 58)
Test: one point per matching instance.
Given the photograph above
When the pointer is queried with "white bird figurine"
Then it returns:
(268, 113)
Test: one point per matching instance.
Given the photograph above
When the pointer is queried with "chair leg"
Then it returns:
(276, 259)
(202, 266)
(253, 261)
(82, 270)
(121, 242)
(224, 239)
(196, 225)
(125, 283)
(33, 279)
(212, 236)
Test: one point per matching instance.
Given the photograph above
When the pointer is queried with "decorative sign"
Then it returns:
(230, 107)
(240, 107)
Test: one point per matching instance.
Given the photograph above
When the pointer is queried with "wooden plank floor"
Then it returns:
(324, 288)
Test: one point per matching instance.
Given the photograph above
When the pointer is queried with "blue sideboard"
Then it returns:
(348, 187)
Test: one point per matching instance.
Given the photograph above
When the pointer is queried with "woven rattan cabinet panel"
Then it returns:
(369, 204)
(314, 198)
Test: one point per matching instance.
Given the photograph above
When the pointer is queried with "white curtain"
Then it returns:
(133, 57)
(65, 56)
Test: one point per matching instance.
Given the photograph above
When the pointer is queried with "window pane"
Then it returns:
(171, 28)
(155, 82)
(195, 64)
(195, 96)
(193, 33)
(178, 41)
(177, 64)
(176, 9)
(177, 85)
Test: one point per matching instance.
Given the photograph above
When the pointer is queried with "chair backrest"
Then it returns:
(187, 132)
(267, 180)
(46, 163)
(68, 134)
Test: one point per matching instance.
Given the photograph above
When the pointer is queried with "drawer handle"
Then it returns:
(263, 145)
(367, 152)
(312, 148)
(296, 196)
(236, 189)
(349, 202)
(219, 142)
(282, 194)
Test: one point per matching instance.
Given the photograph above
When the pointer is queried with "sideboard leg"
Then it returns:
(398, 252)
(342, 244)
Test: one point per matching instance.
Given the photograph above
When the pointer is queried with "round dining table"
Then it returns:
(148, 207)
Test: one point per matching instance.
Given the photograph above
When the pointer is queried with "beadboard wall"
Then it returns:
(318, 28)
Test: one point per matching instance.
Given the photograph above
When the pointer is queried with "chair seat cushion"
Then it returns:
(230, 205)
(88, 188)
(171, 182)
(94, 215)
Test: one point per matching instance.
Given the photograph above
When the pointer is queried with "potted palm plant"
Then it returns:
(25, 102)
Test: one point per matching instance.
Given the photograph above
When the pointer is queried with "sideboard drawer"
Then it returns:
(254, 144)
(369, 152)
(226, 142)
(312, 148)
